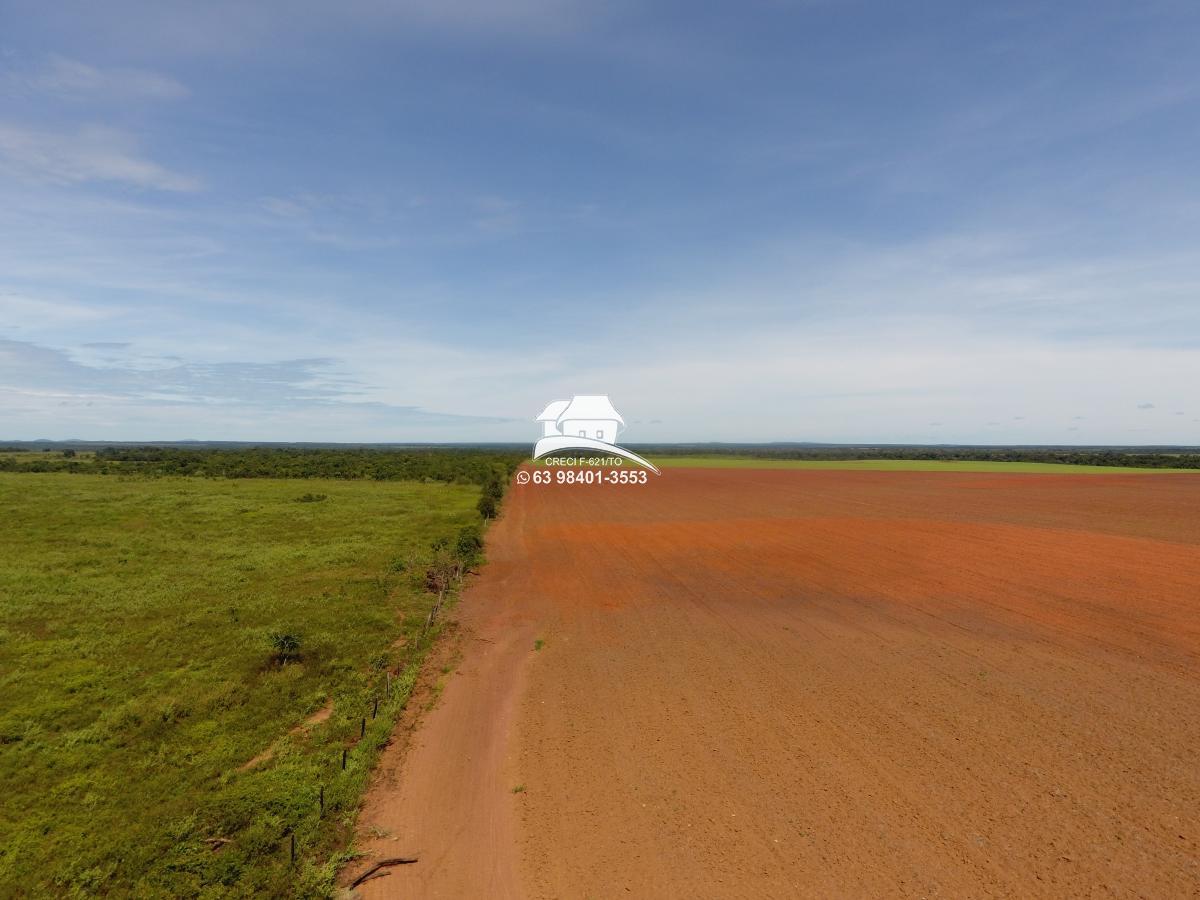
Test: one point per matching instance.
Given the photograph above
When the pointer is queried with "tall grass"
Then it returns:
(138, 674)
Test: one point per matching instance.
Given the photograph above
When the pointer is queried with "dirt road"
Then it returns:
(818, 684)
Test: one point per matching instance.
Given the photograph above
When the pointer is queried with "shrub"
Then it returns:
(286, 645)
(468, 546)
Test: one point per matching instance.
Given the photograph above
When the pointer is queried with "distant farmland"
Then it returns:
(896, 465)
(140, 681)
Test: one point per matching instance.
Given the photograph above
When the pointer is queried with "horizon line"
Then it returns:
(10, 442)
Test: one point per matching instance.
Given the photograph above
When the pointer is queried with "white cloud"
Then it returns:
(74, 80)
(887, 380)
(285, 208)
(498, 216)
(24, 312)
(538, 17)
(48, 392)
(90, 153)
(233, 27)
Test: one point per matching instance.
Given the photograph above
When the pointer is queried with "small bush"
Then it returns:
(286, 645)
(469, 544)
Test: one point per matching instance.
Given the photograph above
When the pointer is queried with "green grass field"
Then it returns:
(137, 674)
(896, 465)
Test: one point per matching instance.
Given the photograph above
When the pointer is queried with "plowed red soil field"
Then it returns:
(817, 684)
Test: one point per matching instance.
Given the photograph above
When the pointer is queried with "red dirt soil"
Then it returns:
(772, 683)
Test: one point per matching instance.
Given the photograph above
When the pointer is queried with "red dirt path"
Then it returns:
(818, 684)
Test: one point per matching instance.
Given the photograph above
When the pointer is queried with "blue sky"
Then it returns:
(386, 221)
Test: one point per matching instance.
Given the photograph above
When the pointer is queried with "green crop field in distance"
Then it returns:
(138, 676)
(897, 465)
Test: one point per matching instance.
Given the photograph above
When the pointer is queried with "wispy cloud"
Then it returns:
(18, 310)
(520, 17)
(35, 379)
(227, 28)
(41, 368)
(498, 216)
(70, 79)
(85, 154)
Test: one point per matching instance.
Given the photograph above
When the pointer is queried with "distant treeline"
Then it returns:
(481, 464)
(1139, 458)
(462, 466)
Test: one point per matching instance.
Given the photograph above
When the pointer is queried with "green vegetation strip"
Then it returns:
(452, 465)
(140, 675)
(898, 465)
